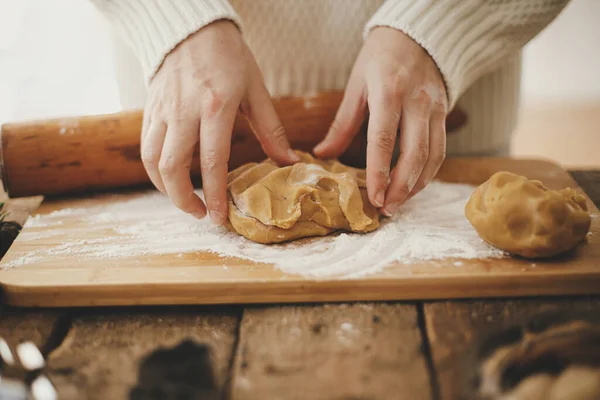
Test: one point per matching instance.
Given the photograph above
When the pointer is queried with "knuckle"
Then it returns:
(385, 140)
(174, 108)
(383, 172)
(167, 166)
(214, 201)
(380, 172)
(210, 160)
(150, 157)
(392, 94)
(278, 133)
(402, 190)
(421, 153)
(212, 102)
(422, 99)
(403, 72)
(440, 107)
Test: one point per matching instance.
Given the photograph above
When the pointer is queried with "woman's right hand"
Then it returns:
(193, 99)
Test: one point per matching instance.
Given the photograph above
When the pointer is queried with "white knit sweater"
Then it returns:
(307, 46)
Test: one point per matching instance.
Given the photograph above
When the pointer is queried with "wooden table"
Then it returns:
(327, 351)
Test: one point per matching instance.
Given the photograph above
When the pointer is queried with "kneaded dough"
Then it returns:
(271, 204)
(524, 217)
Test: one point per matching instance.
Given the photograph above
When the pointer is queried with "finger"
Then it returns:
(437, 150)
(266, 125)
(174, 167)
(414, 152)
(145, 122)
(151, 148)
(381, 136)
(347, 121)
(215, 145)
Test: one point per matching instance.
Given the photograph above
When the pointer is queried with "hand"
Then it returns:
(403, 89)
(194, 98)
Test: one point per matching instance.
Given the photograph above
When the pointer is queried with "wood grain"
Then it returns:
(344, 351)
(79, 154)
(19, 209)
(18, 325)
(44, 328)
(14, 211)
(91, 153)
(453, 327)
(99, 356)
(65, 280)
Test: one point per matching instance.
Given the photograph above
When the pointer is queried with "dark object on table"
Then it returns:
(8, 233)
(551, 356)
(183, 372)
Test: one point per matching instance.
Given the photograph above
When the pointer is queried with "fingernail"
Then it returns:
(199, 215)
(379, 198)
(391, 209)
(293, 156)
(217, 218)
(318, 147)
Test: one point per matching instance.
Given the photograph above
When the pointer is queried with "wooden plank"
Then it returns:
(453, 326)
(46, 273)
(98, 358)
(38, 326)
(44, 328)
(342, 351)
(17, 211)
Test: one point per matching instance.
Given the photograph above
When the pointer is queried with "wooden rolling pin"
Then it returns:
(92, 153)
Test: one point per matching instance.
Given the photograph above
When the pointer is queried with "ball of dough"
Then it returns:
(522, 216)
(271, 204)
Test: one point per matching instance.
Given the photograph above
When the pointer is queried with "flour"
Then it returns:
(430, 226)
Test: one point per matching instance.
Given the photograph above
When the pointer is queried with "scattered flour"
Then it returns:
(346, 326)
(430, 226)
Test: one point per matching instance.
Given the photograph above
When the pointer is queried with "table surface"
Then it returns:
(372, 350)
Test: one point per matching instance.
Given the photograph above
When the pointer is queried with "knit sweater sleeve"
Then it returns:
(153, 28)
(467, 38)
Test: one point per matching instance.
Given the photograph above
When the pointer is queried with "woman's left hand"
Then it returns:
(403, 90)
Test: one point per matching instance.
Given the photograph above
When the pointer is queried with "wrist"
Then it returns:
(154, 28)
(223, 30)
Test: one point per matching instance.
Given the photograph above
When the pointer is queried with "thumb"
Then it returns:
(267, 127)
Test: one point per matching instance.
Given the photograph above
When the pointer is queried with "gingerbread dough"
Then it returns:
(523, 217)
(271, 204)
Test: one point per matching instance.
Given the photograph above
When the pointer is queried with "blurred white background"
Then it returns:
(56, 59)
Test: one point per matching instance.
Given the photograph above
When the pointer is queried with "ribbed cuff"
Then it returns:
(454, 33)
(155, 27)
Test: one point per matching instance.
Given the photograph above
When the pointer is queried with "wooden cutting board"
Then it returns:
(205, 278)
